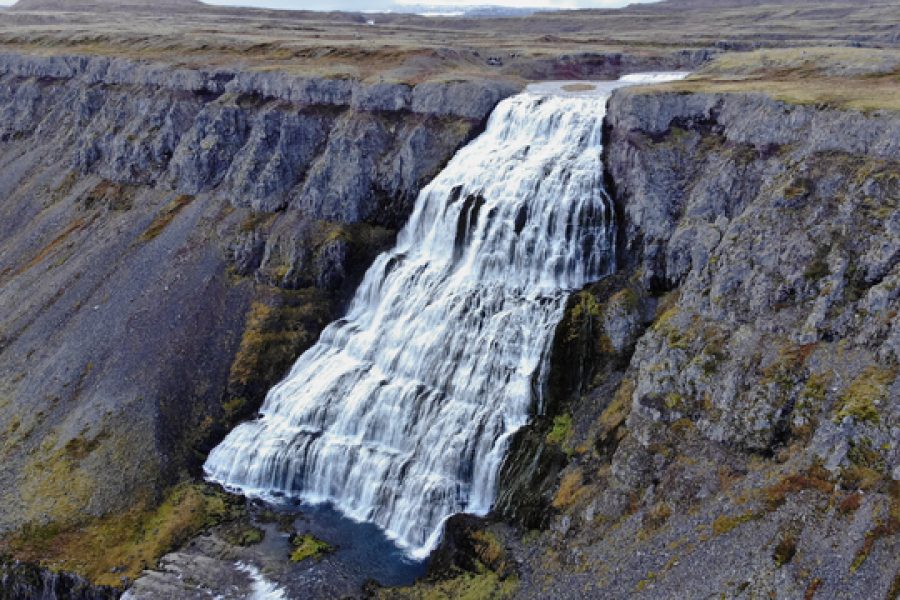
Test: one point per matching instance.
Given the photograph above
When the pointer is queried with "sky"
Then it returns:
(361, 4)
(386, 4)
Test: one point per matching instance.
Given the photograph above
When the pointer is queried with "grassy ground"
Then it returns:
(854, 78)
(122, 545)
(412, 48)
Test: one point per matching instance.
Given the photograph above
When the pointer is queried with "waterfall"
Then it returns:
(402, 412)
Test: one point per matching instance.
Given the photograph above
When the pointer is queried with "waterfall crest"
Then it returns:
(402, 412)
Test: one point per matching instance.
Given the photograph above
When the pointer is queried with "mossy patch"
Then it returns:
(788, 367)
(485, 573)
(816, 388)
(610, 426)
(861, 398)
(55, 486)
(242, 533)
(466, 586)
(561, 432)
(725, 523)
(571, 490)
(280, 325)
(308, 546)
(122, 545)
(671, 325)
(583, 312)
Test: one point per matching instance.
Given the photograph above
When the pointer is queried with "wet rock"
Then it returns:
(23, 581)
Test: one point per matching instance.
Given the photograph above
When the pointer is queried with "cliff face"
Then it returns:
(725, 415)
(18, 580)
(170, 240)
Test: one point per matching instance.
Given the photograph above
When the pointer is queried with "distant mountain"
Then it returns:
(453, 10)
(104, 5)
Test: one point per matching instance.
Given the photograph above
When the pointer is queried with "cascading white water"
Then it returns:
(401, 413)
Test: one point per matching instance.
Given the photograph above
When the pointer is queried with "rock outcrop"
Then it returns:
(20, 581)
(170, 240)
(725, 415)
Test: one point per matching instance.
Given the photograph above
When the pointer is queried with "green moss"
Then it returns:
(664, 320)
(674, 401)
(122, 545)
(285, 521)
(241, 533)
(561, 432)
(627, 299)
(724, 523)
(486, 585)
(665, 325)
(278, 328)
(816, 388)
(234, 407)
(308, 546)
(583, 313)
(862, 454)
(861, 398)
(646, 581)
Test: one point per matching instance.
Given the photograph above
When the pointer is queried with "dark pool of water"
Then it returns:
(362, 548)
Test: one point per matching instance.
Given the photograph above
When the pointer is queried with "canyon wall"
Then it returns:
(724, 415)
(170, 241)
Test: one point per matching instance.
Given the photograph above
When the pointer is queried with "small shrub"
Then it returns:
(785, 550)
(308, 546)
(858, 477)
(816, 388)
(243, 534)
(561, 432)
(850, 504)
(861, 398)
(571, 490)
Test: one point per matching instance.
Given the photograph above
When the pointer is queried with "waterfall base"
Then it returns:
(212, 566)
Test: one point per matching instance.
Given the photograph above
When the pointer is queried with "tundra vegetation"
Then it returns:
(720, 415)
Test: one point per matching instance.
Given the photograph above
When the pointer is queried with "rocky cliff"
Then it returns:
(170, 240)
(725, 417)
(19, 581)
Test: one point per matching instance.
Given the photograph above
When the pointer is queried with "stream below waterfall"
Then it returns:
(400, 415)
